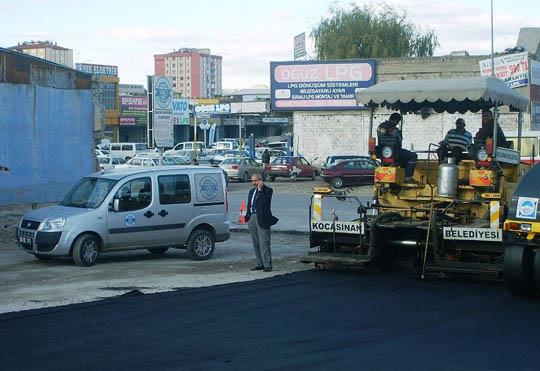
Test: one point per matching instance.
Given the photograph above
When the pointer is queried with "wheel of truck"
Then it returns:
(85, 250)
(536, 270)
(294, 177)
(200, 245)
(337, 182)
(245, 177)
(158, 250)
(518, 270)
(381, 256)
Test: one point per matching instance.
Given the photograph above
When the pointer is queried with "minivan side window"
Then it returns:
(127, 147)
(116, 147)
(174, 189)
(135, 194)
(141, 147)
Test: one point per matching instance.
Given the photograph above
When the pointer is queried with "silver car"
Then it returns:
(241, 168)
(136, 208)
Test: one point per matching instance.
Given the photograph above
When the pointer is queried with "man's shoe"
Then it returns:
(257, 269)
(268, 269)
(411, 180)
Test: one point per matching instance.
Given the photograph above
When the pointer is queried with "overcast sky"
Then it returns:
(246, 33)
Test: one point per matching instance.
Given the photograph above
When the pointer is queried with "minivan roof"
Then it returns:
(124, 172)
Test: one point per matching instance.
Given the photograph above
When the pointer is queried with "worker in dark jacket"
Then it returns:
(486, 131)
(406, 158)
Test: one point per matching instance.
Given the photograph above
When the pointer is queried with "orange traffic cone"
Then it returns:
(242, 217)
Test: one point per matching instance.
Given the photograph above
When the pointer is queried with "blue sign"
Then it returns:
(319, 85)
(130, 220)
(527, 208)
(208, 188)
(163, 92)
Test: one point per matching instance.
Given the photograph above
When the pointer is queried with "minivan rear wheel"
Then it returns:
(85, 250)
(201, 245)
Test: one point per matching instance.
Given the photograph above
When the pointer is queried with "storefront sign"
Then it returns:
(133, 110)
(513, 69)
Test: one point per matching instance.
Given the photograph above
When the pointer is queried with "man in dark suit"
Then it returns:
(260, 219)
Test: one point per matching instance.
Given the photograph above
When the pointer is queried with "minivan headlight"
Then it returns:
(53, 224)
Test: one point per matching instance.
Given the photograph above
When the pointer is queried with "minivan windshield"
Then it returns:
(88, 193)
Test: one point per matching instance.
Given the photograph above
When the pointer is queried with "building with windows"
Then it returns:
(196, 73)
(105, 83)
(46, 50)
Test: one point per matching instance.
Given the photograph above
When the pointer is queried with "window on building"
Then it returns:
(107, 96)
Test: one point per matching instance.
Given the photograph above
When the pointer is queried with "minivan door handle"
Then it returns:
(163, 213)
(148, 214)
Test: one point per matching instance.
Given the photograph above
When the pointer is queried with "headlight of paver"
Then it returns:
(53, 224)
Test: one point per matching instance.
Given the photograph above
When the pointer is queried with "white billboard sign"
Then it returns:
(163, 111)
(180, 111)
(513, 69)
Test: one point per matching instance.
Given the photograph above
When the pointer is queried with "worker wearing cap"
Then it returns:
(457, 140)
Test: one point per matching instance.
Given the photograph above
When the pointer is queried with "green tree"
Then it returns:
(367, 32)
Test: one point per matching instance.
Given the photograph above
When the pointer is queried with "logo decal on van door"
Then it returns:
(208, 188)
(130, 220)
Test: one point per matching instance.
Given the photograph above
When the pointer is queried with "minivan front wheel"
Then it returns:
(200, 245)
(85, 250)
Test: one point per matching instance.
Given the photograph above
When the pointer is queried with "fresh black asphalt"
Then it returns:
(310, 320)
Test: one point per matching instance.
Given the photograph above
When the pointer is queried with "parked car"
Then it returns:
(184, 147)
(109, 162)
(139, 208)
(220, 155)
(331, 160)
(226, 145)
(292, 167)
(242, 168)
(350, 172)
(278, 145)
(100, 152)
(126, 150)
(154, 161)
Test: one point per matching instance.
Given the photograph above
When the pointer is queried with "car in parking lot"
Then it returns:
(137, 208)
(242, 168)
(292, 167)
(334, 159)
(153, 160)
(109, 162)
(350, 172)
(274, 153)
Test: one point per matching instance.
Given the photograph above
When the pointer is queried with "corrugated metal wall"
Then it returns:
(45, 141)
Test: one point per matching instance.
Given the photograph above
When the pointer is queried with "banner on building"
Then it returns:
(180, 111)
(513, 69)
(322, 85)
(133, 111)
(97, 69)
(212, 134)
(212, 109)
(163, 109)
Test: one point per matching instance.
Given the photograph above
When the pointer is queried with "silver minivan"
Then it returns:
(135, 208)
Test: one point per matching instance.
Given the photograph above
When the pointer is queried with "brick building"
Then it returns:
(196, 73)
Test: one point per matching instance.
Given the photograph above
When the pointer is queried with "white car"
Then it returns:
(101, 153)
(274, 153)
(154, 161)
(109, 162)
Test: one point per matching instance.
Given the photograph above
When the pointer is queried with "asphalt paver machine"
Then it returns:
(449, 221)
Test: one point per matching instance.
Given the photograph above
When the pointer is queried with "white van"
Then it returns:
(126, 150)
(183, 147)
(135, 208)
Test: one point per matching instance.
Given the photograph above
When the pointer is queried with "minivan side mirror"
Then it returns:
(116, 205)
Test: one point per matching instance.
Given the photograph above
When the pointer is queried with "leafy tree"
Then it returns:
(368, 32)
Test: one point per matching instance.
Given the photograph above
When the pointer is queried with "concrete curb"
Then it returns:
(274, 231)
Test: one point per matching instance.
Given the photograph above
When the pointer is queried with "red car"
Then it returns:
(292, 167)
(350, 172)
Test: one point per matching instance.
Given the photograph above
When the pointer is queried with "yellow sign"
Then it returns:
(481, 178)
